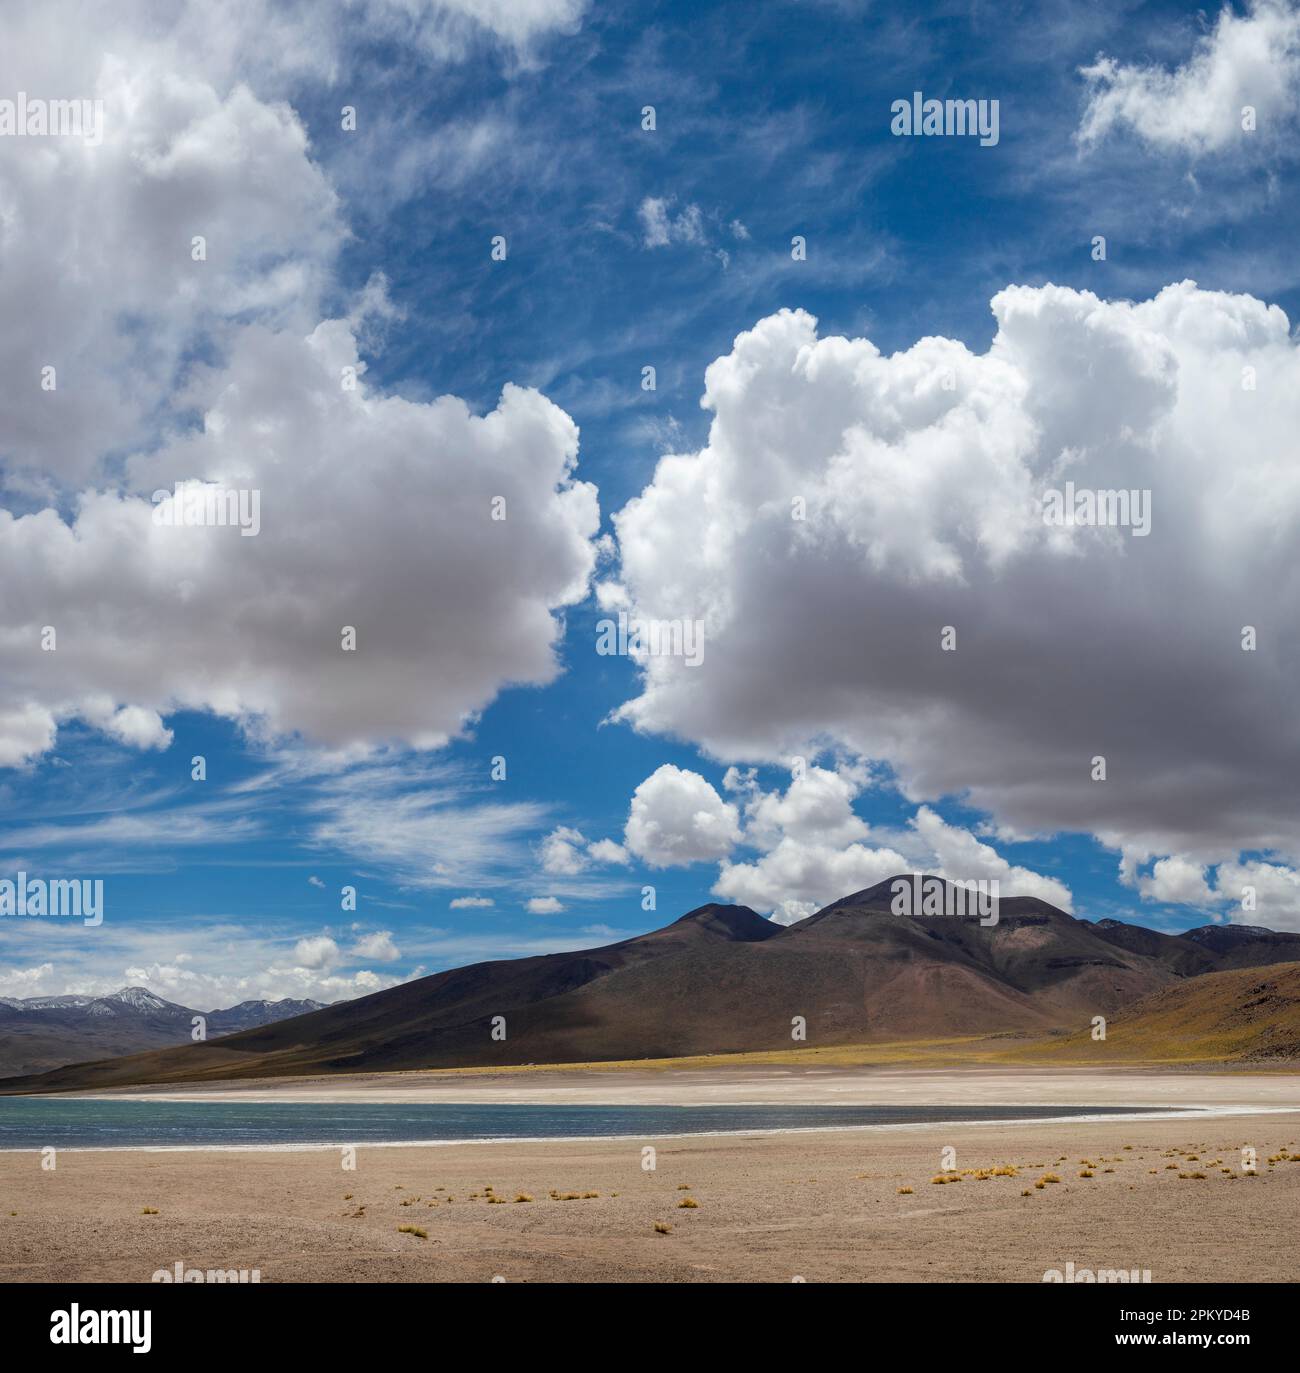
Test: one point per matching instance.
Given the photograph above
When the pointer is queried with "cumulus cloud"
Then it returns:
(1246, 60)
(959, 856)
(185, 152)
(815, 849)
(1177, 880)
(544, 905)
(919, 477)
(609, 851)
(378, 945)
(316, 951)
(563, 851)
(799, 876)
(385, 503)
(1262, 894)
(400, 545)
(472, 903)
(677, 818)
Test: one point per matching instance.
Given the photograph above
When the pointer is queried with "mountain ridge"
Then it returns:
(43, 1032)
(721, 979)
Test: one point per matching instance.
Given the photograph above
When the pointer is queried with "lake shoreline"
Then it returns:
(858, 1205)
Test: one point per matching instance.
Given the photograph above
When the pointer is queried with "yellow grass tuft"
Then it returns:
(688, 1204)
(413, 1230)
(662, 1228)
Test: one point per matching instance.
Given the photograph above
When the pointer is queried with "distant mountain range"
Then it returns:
(722, 979)
(42, 1032)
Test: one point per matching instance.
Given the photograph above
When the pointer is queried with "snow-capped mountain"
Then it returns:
(42, 1032)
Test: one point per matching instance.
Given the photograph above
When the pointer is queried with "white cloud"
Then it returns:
(797, 877)
(202, 964)
(406, 545)
(562, 852)
(817, 805)
(131, 725)
(316, 952)
(185, 152)
(25, 982)
(815, 849)
(316, 881)
(660, 226)
(608, 851)
(1275, 890)
(959, 856)
(676, 818)
(1246, 60)
(378, 945)
(26, 731)
(422, 821)
(1177, 880)
(190, 148)
(566, 852)
(472, 903)
(918, 474)
(544, 905)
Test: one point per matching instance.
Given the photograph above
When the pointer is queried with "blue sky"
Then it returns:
(629, 248)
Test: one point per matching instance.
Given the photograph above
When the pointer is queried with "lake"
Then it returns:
(81, 1123)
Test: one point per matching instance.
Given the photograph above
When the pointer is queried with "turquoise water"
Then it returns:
(35, 1122)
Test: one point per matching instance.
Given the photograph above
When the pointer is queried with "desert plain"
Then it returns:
(1164, 1195)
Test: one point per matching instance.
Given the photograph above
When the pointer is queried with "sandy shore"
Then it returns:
(824, 1206)
(854, 1086)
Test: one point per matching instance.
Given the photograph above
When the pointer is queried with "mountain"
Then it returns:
(722, 979)
(1242, 1015)
(1245, 946)
(43, 1032)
